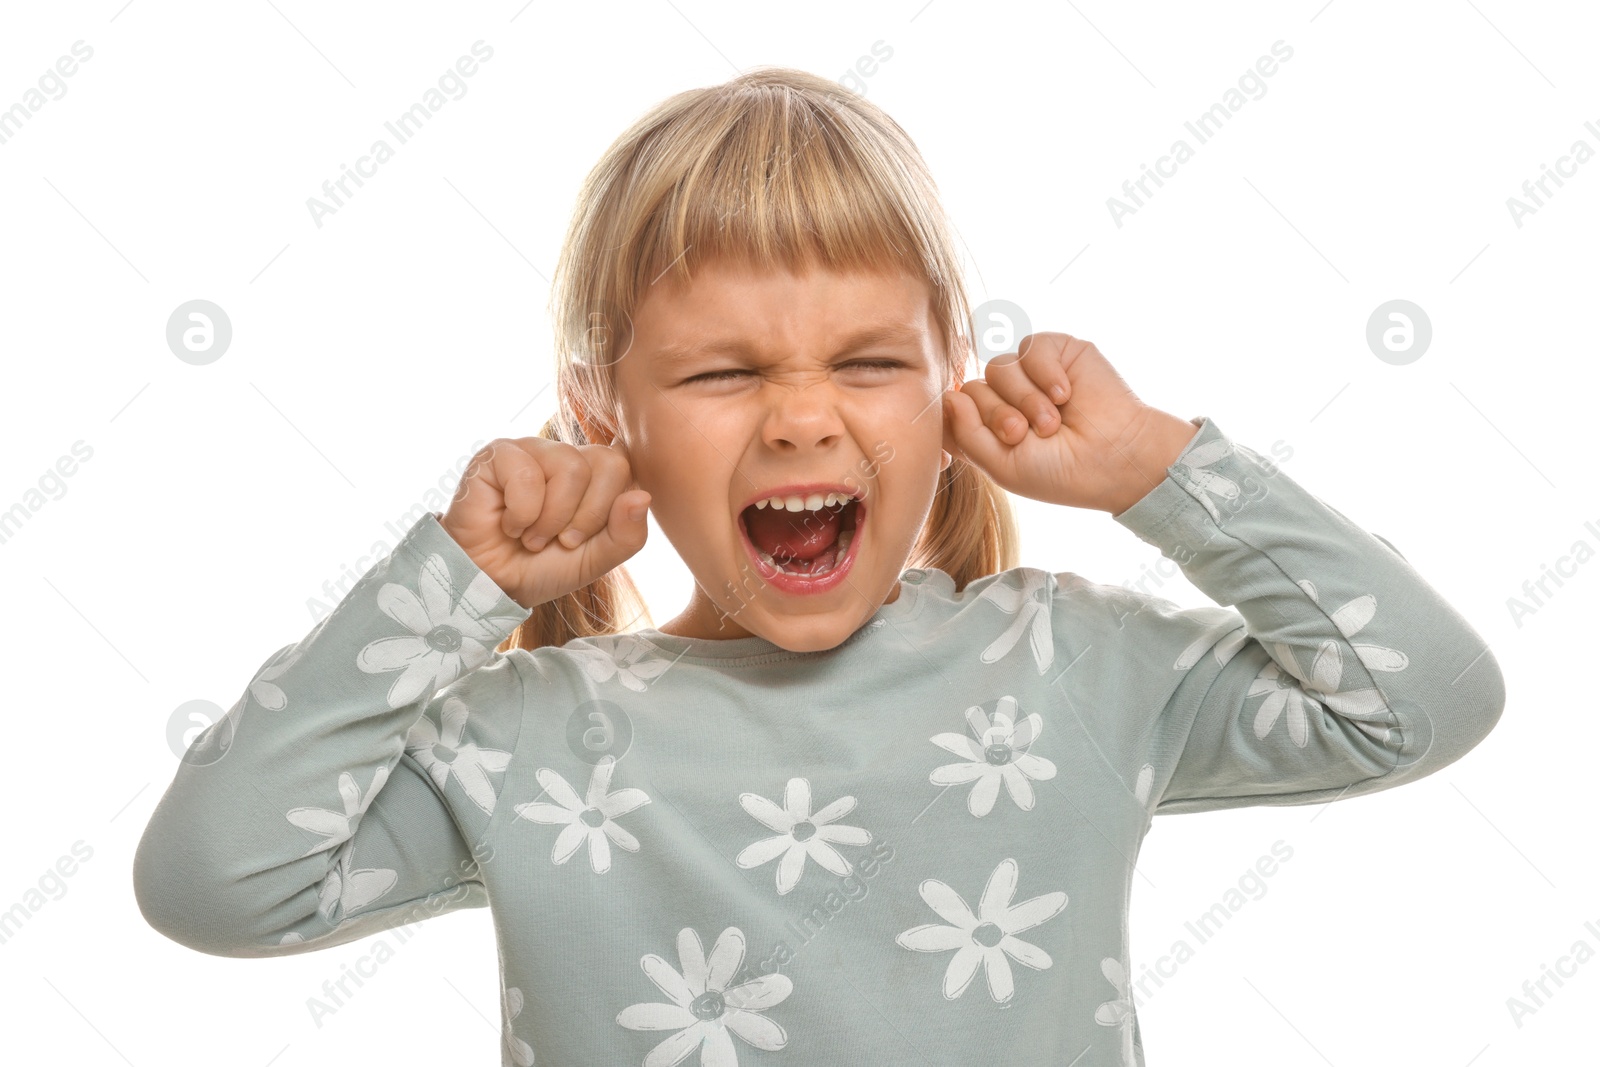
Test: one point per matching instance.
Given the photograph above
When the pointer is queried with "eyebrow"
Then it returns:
(674, 353)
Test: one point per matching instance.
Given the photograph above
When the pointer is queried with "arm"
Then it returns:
(348, 789)
(1341, 673)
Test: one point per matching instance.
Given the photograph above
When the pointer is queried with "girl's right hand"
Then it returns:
(518, 496)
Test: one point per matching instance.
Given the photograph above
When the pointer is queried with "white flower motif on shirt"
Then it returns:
(799, 833)
(445, 642)
(704, 1011)
(1350, 618)
(520, 1051)
(1141, 786)
(336, 827)
(350, 889)
(264, 685)
(1000, 753)
(1282, 691)
(987, 938)
(631, 660)
(1222, 651)
(1119, 1012)
(443, 753)
(1365, 707)
(589, 819)
(1190, 471)
(1032, 614)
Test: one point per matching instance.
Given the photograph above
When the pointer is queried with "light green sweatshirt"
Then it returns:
(913, 848)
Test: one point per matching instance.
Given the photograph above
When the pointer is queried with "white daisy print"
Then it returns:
(1350, 618)
(520, 1051)
(799, 833)
(1282, 691)
(446, 641)
(988, 938)
(1141, 786)
(1000, 754)
(264, 686)
(442, 753)
(1032, 614)
(1365, 707)
(336, 827)
(704, 1011)
(1222, 651)
(1203, 484)
(1118, 1012)
(631, 660)
(345, 889)
(342, 885)
(589, 819)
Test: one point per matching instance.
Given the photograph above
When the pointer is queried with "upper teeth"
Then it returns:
(804, 503)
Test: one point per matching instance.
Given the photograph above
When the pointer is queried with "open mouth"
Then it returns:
(807, 544)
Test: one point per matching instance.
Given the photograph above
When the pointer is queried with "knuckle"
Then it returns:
(484, 456)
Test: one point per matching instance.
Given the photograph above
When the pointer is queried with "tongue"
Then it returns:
(797, 535)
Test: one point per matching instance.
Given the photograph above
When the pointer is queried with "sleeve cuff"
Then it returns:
(429, 547)
(1163, 504)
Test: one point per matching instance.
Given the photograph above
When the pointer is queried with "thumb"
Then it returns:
(625, 530)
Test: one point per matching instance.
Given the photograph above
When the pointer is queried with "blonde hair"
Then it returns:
(776, 168)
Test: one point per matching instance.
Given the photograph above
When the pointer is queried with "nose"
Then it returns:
(803, 418)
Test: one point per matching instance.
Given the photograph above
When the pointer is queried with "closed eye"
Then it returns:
(711, 376)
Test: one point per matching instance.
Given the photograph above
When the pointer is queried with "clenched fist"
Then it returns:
(543, 517)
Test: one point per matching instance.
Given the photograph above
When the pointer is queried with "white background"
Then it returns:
(370, 353)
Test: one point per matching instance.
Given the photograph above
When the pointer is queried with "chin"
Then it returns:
(810, 633)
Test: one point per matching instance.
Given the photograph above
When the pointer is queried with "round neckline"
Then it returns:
(757, 648)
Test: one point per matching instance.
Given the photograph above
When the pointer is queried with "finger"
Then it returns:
(949, 443)
(1003, 420)
(623, 534)
(965, 428)
(567, 475)
(520, 482)
(1044, 358)
(610, 475)
(1017, 380)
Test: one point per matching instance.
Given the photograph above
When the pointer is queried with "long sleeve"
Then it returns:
(347, 789)
(1342, 672)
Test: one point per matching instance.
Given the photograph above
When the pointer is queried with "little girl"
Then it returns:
(838, 811)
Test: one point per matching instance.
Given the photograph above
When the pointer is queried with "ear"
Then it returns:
(956, 378)
(592, 431)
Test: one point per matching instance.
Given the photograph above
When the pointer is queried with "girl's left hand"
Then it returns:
(1056, 422)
